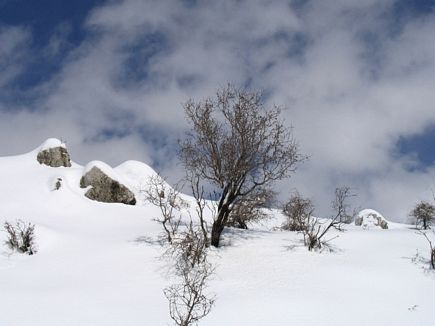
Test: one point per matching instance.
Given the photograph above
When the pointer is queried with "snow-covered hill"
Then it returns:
(93, 267)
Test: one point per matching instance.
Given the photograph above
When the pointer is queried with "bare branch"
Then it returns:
(21, 237)
(168, 200)
(188, 300)
(432, 249)
(299, 212)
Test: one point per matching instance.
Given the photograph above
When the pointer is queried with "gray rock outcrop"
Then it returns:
(368, 219)
(54, 157)
(105, 189)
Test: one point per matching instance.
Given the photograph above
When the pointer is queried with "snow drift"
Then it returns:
(93, 266)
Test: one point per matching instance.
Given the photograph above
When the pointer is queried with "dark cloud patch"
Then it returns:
(421, 146)
(137, 56)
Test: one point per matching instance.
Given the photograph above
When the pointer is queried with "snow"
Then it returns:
(51, 143)
(366, 212)
(105, 168)
(136, 174)
(93, 267)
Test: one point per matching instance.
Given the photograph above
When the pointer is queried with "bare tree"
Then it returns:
(424, 214)
(341, 206)
(21, 237)
(315, 231)
(188, 298)
(298, 211)
(236, 146)
(168, 200)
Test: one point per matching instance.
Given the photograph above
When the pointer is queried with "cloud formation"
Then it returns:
(353, 77)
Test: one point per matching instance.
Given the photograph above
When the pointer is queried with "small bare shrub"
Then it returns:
(315, 231)
(21, 237)
(251, 208)
(168, 200)
(186, 248)
(298, 211)
(188, 300)
(341, 206)
(424, 214)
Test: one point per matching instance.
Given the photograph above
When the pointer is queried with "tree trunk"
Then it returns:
(216, 232)
(218, 226)
(432, 258)
(227, 198)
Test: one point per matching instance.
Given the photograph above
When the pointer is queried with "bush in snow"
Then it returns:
(188, 299)
(315, 231)
(187, 302)
(424, 214)
(167, 199)
(251, 209)
(298, 211)
(187, 248)
(21, 237)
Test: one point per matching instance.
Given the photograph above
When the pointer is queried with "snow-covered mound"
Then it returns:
(51, 143)
(136, 172)
(93, 266)
(369, 219)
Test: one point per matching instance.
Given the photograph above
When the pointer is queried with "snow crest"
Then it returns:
(51, 143)
(369, 218)
(106, 169)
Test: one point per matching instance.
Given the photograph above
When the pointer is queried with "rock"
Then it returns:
(369, 218)
(53, 153)
(105, 187)
(58, 184)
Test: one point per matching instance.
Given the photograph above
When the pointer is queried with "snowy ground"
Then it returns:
(93, 267)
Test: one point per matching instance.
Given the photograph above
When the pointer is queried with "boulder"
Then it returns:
(369, 218)
(53, 153)
(104, 185)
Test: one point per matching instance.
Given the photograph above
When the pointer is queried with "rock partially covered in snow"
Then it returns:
(53, 153)
(369, 218)
(105, 185)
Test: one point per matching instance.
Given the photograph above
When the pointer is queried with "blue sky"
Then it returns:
(46, 20)
(109, 77)
(44, 16)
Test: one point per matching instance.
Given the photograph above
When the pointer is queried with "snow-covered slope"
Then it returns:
(93, 267)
